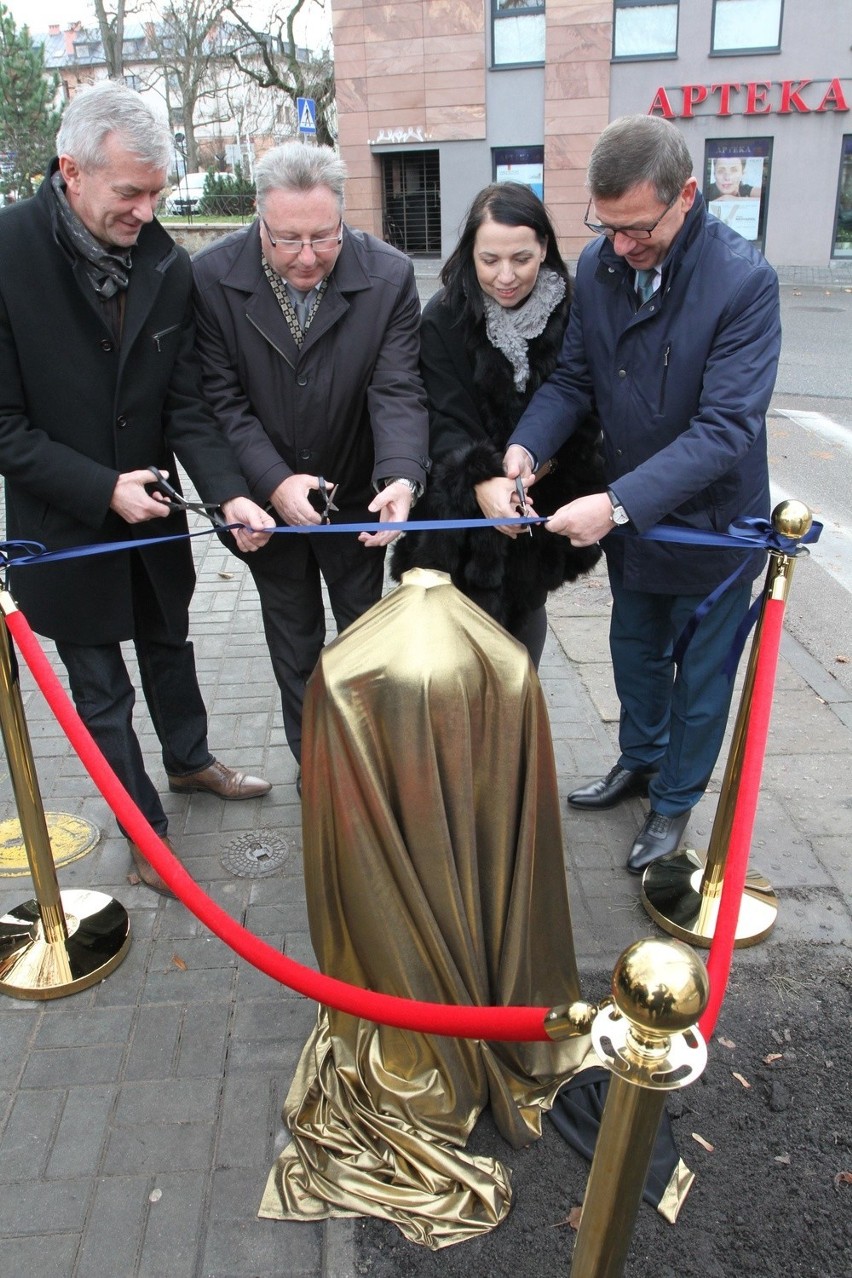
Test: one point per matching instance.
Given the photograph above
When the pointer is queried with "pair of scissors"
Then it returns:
(522, 501)
(326, 497)
(176, 501)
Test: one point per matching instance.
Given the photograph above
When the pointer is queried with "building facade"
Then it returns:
(437, 98)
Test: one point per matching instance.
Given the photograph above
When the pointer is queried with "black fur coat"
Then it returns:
(473, 409)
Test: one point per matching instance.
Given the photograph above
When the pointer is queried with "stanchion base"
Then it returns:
(671, 893)
(33, 967)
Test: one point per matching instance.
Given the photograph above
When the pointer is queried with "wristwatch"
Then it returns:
(619, 514)
(412, 484)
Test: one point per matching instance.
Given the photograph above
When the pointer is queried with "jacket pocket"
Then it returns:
(158, 338)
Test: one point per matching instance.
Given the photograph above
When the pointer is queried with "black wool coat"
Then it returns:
(473, 409)
(77, 409)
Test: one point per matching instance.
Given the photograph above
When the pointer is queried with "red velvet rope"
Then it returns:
(506, 1024)
(742, 826)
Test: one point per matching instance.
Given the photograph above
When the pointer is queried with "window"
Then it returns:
(411, 201)
(644, 29)
(517, 32)
(520, 164)
(843, 221)
(736, 184)
(746, 26)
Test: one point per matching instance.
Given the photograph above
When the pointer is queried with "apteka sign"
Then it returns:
(753, 97)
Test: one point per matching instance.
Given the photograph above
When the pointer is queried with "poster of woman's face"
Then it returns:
(735, 178)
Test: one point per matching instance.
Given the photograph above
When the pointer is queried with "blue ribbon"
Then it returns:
(752, 534)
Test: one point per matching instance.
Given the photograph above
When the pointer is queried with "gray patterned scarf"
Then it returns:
(108, 270)
(511, 330)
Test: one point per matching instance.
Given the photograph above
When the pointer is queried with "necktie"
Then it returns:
(646, 284)
(301, 308)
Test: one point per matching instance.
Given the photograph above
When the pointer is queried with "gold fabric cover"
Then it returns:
(434, 870)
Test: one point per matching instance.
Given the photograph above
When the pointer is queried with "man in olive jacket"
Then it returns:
(308, 336)
(98, 382)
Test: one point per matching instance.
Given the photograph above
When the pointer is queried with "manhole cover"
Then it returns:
(255, 855)
(70, 838)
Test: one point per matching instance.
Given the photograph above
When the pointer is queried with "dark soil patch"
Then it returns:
(764, 1204)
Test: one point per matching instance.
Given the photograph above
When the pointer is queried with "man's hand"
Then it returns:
(241, 510)
(583, 521)
(518, 465)
(133, 503)
(393, 504)
(498, 499)
(290, 499)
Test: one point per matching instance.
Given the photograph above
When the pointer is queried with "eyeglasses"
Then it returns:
(324, 245)
(634, 232)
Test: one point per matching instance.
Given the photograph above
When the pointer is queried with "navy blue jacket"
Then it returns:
(681, 386)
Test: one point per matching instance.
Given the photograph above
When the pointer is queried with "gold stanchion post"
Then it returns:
(647, 1037)
(681, 892)
(61, 942)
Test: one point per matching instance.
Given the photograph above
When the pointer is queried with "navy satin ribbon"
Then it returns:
(752, 534)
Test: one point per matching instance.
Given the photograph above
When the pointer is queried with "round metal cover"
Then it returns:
(70, 838)
(255, 855)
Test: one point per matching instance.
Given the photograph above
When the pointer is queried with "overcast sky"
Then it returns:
(40, 14)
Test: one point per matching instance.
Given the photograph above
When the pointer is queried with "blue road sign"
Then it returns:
(306, 109)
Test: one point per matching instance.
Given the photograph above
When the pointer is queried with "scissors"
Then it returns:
(326, 497)
(522, 501)
(176, 501)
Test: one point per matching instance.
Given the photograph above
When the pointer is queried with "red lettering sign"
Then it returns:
(790, 97)
(834, 95)
(757, 91)
(661, 105)
(724, 91)
(692, 95)
(757, 98)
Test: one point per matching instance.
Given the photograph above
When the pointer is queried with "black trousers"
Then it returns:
(293, 611)
(104, 696)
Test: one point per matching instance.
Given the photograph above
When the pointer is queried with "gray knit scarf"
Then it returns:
(511, 330)
(107, 269)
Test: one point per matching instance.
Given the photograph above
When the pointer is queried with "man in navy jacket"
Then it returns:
(674, 340)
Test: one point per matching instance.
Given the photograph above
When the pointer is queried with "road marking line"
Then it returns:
(819, 424)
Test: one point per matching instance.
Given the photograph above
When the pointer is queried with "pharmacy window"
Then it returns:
(644, 29)
(747, 26)
(843, 221)
(523, 164)
(517, 32)
(736, 184)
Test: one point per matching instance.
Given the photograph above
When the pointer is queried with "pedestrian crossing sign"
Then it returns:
(306, 109)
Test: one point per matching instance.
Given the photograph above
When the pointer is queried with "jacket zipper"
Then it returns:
(666, 353)
(164, 332)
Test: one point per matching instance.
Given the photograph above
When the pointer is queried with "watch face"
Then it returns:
(620, 515)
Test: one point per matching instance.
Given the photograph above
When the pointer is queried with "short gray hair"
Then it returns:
(297, 167)
(106, 108)
(636, 149)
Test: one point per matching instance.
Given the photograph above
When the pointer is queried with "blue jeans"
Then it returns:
(672, 719)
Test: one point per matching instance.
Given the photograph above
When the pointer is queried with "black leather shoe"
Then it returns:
(619, 783)
(658, 836)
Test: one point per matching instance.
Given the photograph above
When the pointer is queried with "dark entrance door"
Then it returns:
(411, 201)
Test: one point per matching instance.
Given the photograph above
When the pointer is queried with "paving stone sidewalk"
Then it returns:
(138, 1119)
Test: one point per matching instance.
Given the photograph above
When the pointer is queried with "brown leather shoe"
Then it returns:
(147, 874)
(226, 782)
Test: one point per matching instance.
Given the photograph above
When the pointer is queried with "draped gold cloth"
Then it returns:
(434, 870)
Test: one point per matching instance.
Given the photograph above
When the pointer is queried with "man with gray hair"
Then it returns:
(673, 340)
(100, 383)
(308, 336)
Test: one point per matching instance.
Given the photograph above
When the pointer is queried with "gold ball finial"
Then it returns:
(660, 985)
(792, 519)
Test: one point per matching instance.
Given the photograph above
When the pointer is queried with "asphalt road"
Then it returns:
(810, 457)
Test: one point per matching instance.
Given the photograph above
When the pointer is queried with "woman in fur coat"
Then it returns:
(488, 341)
